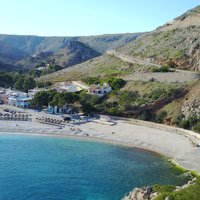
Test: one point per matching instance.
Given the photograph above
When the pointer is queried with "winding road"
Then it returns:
(169, 77)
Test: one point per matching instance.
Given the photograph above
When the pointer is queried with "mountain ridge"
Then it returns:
(175, 43)
(34, 45)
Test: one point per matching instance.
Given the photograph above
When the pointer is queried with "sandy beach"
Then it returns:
(165, 142)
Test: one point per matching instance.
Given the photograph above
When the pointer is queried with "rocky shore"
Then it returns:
(148, 193)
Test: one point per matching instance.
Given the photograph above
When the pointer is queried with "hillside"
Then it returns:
(176, 43)
(26, 51)
(102, 43)
(71, 53)
(103, 66)
(9, 52)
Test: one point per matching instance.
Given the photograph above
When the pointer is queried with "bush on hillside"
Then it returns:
(115, 83)
(161, 116)
(197, 128)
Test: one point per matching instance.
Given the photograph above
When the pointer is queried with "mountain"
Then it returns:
(102, 43)
(70, 53)
(176, 43)
(28, 51)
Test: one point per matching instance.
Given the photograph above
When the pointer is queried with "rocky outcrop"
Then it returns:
(147, 193)
(141, 194)
(191, 109)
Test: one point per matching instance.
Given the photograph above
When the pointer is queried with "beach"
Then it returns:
(169, 143)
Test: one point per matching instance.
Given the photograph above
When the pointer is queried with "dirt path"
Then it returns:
(130, 59)
(168, 77)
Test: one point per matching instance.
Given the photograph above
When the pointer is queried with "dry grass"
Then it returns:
(174, 108)
(146, 87)
(102, 66)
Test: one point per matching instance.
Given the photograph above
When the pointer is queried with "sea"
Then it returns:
(60, 168)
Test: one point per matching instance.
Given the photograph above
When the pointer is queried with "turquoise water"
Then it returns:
(51, 168)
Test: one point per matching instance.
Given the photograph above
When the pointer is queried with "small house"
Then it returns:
(24, 102)
(99, 90)
(18, 99)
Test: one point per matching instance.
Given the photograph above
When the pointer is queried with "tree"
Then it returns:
(40, 99)
(6, 80)
(127, 99)
(19, 84)
(29, 83)
(61, 99)
(115, 83)
(161, 116)
(197, 127)
(43, 84)
(35, 73)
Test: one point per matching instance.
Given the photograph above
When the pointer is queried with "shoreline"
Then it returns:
(84, 138)
(111, 142)
(176, 148)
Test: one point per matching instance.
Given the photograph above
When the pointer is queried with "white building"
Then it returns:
(24, 102)
(99, 90)
(19, 99)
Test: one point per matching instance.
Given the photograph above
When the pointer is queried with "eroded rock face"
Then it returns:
(191, 109)
(141, 194)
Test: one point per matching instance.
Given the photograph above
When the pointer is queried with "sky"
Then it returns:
(87, 17)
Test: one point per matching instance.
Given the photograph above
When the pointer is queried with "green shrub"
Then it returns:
(189, 123)
(91, 80)
(145, 115)
(115, 111)
(161, 116)
(185, 124)
(157, 93)
(127, 99)
(162, 196)
(163, 188)
(115, 83)
(197, 128)
(43, 84)
(161, 69)
(190, 193)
